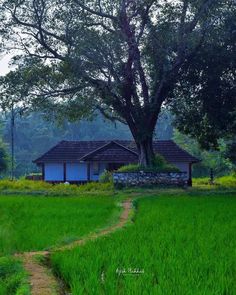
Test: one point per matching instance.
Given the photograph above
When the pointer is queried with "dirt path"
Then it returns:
(41, 279)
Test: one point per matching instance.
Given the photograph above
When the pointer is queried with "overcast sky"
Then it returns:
(4, 68)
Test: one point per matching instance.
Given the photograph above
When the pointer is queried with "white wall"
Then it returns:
(53, 172)
(183, 167)
(76, 172)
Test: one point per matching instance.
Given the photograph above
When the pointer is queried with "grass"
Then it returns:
(224, 181)
(36, 223)
(181, 243)
(23, 187)
(13, 279)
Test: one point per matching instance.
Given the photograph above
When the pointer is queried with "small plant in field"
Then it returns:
(106, 177)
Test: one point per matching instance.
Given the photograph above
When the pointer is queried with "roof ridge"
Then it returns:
(94, 151)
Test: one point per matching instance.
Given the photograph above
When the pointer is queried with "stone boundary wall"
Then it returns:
(150, 178)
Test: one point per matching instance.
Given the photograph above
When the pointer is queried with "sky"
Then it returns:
(4, 67)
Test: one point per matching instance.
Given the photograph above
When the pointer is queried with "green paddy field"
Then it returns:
(176, 241)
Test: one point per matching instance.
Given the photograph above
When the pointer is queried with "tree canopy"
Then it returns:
(205, 107)
(125, 58)
(4, 160)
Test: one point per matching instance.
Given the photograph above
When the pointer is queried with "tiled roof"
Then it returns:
(112, 151)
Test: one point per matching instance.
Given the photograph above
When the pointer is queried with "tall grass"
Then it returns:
(224, 181)
(13, 279)
(184, 245)
(23, 186)
(35, 223)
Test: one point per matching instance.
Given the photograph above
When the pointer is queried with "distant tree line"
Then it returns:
(34, 135)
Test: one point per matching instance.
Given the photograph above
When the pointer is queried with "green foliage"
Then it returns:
(184, 44)
(130, 168)
(37, 223)
(210, 159)
(13, 278)
(106, 177)
(205, 101)
(181, 243)
(4, 158)
(159, 165)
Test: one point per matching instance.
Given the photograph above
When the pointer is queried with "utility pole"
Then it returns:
(12, 142)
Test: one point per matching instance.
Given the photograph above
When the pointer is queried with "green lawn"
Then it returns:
(36, 223)
(183, 244)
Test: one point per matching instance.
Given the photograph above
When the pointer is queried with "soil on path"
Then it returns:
(41, 278)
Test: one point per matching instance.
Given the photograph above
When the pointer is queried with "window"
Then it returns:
(95, 168)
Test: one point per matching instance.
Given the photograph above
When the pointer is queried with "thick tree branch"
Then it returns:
(94, 12)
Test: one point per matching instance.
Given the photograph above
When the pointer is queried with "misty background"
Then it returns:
(34, 135)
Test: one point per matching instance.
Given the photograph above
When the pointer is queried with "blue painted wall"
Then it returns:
(54, 172)
(76, 171)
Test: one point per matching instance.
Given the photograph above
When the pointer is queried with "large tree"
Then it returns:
(205, 98)
(4, 159)
(122, 57)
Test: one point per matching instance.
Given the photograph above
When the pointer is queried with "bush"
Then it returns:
(106, 177)
(159, 165)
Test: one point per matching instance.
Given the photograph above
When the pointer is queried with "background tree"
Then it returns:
(218, 160)
(205, 107)
(125, 58)
(4, 159)
(34, 135)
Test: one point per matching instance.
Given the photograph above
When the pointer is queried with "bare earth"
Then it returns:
(41, 278)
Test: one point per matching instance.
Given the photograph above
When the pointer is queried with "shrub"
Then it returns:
(159, 165)
(106, 177)
(130, 168)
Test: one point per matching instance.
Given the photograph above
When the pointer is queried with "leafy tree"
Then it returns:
(230, 153)
(4, 160)
(205, 107)
(217, 160)
(124, 58)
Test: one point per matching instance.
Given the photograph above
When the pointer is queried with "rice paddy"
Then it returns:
(37, 223)
(13, 278)
(176, 245)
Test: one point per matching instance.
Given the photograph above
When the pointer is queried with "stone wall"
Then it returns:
(150, 178)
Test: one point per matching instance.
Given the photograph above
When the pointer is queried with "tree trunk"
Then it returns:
(146, 153)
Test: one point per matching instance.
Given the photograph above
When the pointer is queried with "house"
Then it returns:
(81, 161)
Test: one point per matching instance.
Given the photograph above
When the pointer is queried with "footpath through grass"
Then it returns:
(178, 244)
(37, 223)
